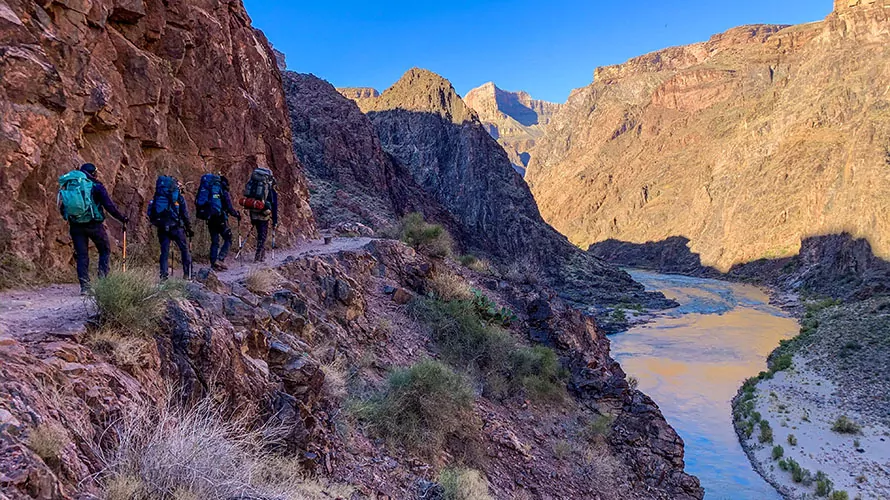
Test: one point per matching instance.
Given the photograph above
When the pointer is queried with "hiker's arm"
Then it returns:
(100, 195)
(184, 213)
(228, 207)
(274, 207)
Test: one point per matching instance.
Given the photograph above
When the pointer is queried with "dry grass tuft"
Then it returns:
(262, 281)
(336, 380)
(132, 302)
(523, 272)
(47, 441)
(448, 287)
(460, 483)
(197, 454)
(124, 350)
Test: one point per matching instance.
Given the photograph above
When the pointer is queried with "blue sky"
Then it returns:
(544, 47)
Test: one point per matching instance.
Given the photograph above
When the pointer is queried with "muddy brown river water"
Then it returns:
(692, 360)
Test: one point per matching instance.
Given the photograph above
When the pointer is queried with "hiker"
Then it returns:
(83, 201)
(213, 204)
(168, 212)
(261, 199)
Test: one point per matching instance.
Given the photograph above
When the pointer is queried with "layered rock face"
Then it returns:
(139, 88)
(353, 178)
(358, 92)
(429, 130)
(513, 118)
(745, 144)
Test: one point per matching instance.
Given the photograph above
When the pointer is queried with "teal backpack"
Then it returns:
(76, 199)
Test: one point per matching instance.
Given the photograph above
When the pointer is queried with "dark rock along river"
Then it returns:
(692, 360)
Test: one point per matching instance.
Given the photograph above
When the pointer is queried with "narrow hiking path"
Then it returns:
(59, 310)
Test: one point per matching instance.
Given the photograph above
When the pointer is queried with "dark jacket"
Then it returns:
(227, 206)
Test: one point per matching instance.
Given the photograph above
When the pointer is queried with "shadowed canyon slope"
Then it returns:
(744, 144)
(513, 118)
(140, 88)
(429, 130)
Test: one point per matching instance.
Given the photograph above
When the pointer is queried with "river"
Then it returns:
(691, 360)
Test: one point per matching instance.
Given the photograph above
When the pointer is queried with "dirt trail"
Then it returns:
(59, 310)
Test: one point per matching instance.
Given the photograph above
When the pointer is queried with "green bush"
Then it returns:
(460, 483)
(792, 439)
(783, 464)
(781, 363)
(430, 239)
(133, 301)
(599, 427)
(467, 340)
(489, 311)
(823, 484)
(421, 408)
(778, 452)
(766, 432)
(540, 372)
(844, 425)
(839, 495)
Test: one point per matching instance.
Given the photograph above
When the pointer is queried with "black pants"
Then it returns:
(81, 235)
(219, 229)
(176, 235)
(262, 233)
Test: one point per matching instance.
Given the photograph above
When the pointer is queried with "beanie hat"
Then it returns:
(88, 168)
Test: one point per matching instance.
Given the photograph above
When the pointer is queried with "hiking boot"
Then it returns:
(219, 266)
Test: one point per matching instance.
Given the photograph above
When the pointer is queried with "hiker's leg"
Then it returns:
(164, 240)
(81, 254)
(226, 233)
(100, 239)
(214, 242)
(262, 232)
(181, 241)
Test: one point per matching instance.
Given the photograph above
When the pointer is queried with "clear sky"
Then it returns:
(546, 47)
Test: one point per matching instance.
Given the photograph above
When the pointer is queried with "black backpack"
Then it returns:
(164, 207)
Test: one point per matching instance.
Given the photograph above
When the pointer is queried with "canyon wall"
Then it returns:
(513, 118)
(745, 144)
(139, 88)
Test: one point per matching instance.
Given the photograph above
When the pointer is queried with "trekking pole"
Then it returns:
(192, 263)
(273, 243)
(125, 248)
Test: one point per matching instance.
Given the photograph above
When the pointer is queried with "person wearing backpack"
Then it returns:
(214, 204)
(261, 200)
(83, 201)
(168, 212)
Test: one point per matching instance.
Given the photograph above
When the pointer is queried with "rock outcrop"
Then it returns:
(140, 88)
(513, 118)
(356, 93)
(428, 129)
(353, 178)
(271, 354)
(745, 144)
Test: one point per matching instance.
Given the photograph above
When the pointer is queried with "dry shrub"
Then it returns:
(133, 301)
(523, 272)
(474, 263)
(124, 351)
(335, 380)
(47, 441)
(448, 286)
(460, 483)
(196, 454)
(262, 281)
(421, 408)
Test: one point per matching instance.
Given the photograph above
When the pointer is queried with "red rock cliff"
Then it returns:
(140, 88)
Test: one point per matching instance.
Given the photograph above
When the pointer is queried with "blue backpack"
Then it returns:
(76, 199)
(209, 199)
(164, 207)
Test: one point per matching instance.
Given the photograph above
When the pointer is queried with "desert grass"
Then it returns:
(132, 302)
(262, 281)
(461, 483)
